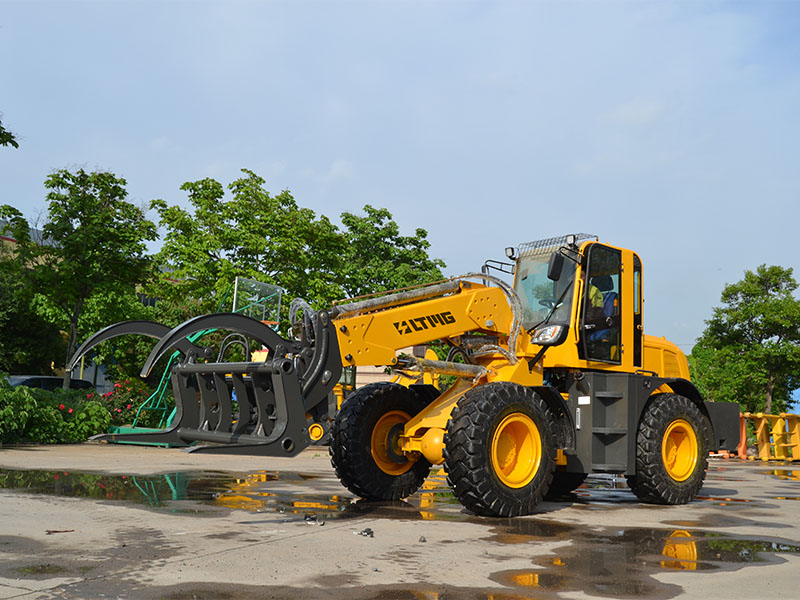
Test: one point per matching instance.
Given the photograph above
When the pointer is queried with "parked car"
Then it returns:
(48, 382)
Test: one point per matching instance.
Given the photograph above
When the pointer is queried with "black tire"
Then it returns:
(563, 483)
(475, 432)
(352, 443)
(678, 480)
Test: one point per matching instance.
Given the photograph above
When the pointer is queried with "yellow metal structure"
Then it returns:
(777, 436)
(373, 336)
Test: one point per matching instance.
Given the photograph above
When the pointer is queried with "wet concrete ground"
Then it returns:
(97, 521)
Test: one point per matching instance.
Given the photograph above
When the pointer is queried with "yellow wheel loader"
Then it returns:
(554, 380)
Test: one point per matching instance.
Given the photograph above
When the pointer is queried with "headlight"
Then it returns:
(551, 335)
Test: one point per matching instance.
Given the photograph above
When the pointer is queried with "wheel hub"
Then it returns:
(679, 450)
(516, 450)
(384, 443)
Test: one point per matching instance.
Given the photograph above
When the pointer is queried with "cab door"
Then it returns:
(601, 321)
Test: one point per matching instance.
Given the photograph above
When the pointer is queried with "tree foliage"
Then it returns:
(92, 248)
(750, 350)
(379, 258)
(254, 234)
(82, 272)
(7, 138)
(29, 343)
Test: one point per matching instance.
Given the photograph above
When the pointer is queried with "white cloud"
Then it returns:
(339, 169)
(160, 142)
(638, 111)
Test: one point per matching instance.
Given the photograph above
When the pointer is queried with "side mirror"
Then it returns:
(554, 266)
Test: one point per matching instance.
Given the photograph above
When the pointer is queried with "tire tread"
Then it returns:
(350, 443)
(651, 483)
(467, 457)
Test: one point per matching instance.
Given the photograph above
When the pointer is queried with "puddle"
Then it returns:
(261, 492)
(785, 474)
(609, 562)
(45, 569)
(621, 563)
(181, 493)
(294, 493)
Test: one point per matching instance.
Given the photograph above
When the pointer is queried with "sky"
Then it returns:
(671, 128)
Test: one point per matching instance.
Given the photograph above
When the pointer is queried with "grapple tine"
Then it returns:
(148, 328)
(228, 321)
(246, 402)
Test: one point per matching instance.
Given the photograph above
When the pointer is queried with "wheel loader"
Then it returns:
(553, 375)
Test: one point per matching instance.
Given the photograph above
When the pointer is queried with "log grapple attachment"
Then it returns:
(274, 407)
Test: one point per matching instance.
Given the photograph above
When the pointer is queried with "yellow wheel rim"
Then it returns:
(680, 547)
(516, 450)
(679, 450)
(383, 440)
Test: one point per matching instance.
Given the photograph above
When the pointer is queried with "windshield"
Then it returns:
(539, 294)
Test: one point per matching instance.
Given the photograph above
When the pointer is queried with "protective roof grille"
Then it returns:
(547, 244)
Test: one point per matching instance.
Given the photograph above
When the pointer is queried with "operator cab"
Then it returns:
(547, 275)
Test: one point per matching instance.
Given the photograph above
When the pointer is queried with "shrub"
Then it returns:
(18, 407)
(44, 417)
(92, 418)
(124, 400)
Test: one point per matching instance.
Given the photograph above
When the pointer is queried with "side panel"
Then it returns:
(606, 409)
(725, 421)
(665, 358)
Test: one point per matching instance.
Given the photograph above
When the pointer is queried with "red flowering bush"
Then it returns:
(124, 400)
(48, 417)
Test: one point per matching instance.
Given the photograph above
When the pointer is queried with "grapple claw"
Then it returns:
(227, 321)
(262, 408)
(148, 328)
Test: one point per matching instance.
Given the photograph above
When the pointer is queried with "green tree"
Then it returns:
(272, 239)
(750, 350)
(29, 344)
(379, 258)
(252, 234)
(6, 137)
(93, 245)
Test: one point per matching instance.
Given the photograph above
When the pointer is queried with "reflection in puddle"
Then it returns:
(620, 563)
(722, 501)
(617, 562)
(785, 474)
(260, 492)
(169, 489)
(287, 492)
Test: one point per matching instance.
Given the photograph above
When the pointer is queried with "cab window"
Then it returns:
(637, 311)
(600, 327)
(541, 297)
